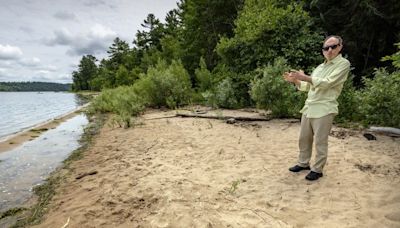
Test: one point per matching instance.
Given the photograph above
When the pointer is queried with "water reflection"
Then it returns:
(31, 163)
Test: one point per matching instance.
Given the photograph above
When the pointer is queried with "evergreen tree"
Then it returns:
(87, 70)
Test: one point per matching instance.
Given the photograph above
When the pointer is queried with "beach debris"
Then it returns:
(231, 121)
(366, 167)
(66, 224)
(223, 117)
(369, 136)
(86, 174)
(390, 131)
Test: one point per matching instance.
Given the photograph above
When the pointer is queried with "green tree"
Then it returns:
(87, 70)
(123, 77)
(151, 38)
(118, 52)
(203, 22)
(266, 30)
(368, 27)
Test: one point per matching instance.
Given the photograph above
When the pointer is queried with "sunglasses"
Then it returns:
(330, 46)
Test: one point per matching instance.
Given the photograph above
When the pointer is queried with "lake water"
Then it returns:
(30, 164)
(21, 110)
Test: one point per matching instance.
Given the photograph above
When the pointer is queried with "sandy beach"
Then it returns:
(189, 172)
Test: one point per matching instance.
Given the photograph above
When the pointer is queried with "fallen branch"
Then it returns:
(161, 117)
(238, 118)
(86, 174)
(386, 130)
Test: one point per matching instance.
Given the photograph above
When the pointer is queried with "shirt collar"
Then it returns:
(335, 60)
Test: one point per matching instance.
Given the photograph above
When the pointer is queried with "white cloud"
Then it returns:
(97, 40)
(33, 62)
(8, 52)
(102, 32)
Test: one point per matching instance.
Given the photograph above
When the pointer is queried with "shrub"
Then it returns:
(203, 77)
(165, 85)
(349, 103)
(380, 100)
(272, 93)
(229, 89)
(122, 101)
(225, 96)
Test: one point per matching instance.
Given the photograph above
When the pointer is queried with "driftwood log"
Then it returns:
(238, 118)
(386, 130)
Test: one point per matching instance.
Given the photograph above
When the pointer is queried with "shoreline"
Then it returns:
(14, 140)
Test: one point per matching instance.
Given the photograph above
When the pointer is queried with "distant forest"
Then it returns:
(33, 86)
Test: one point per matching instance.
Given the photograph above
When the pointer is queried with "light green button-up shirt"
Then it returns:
(327, 83)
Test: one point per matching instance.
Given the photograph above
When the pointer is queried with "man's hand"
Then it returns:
(300, 75)
(288, 76)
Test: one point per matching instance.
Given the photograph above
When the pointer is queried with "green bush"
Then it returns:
(165, 85)
(203, 77)
(349, 103)
(122, 101)
(380, 100)
(225, 96)
(272, 93)
(229, 89)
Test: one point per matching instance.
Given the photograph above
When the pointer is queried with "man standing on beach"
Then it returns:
(324, 87)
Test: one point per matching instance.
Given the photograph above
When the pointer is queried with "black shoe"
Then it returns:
(313, 176)
(298, 168)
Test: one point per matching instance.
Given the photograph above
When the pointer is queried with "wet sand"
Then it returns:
(19, 138)
(191, 172)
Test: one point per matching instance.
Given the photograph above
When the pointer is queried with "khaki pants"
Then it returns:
(318, 129)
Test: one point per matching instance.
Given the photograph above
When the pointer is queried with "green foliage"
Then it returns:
(272, 93)
(150, 38)
(369, 28)
(349, 103)
(33, 86)
(124, 77)
(87, 70)
(171, 48)
(395, 58)
(165, 85)
(380, 100)
(118, 51)
(265, 31)
(203, 22)
(122, 101)
(229, 89)
(225, 96)
(203, 77)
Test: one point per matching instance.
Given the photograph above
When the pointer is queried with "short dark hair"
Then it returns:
(335, 36)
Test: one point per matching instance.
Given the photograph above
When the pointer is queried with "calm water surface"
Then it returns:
(21, 110)
(30, 164)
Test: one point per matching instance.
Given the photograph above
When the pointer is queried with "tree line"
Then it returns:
(225, 47)
(33, 86)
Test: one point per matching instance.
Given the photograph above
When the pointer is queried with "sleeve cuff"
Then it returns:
(303, 86)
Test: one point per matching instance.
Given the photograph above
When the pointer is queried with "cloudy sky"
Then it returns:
(43, 40)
